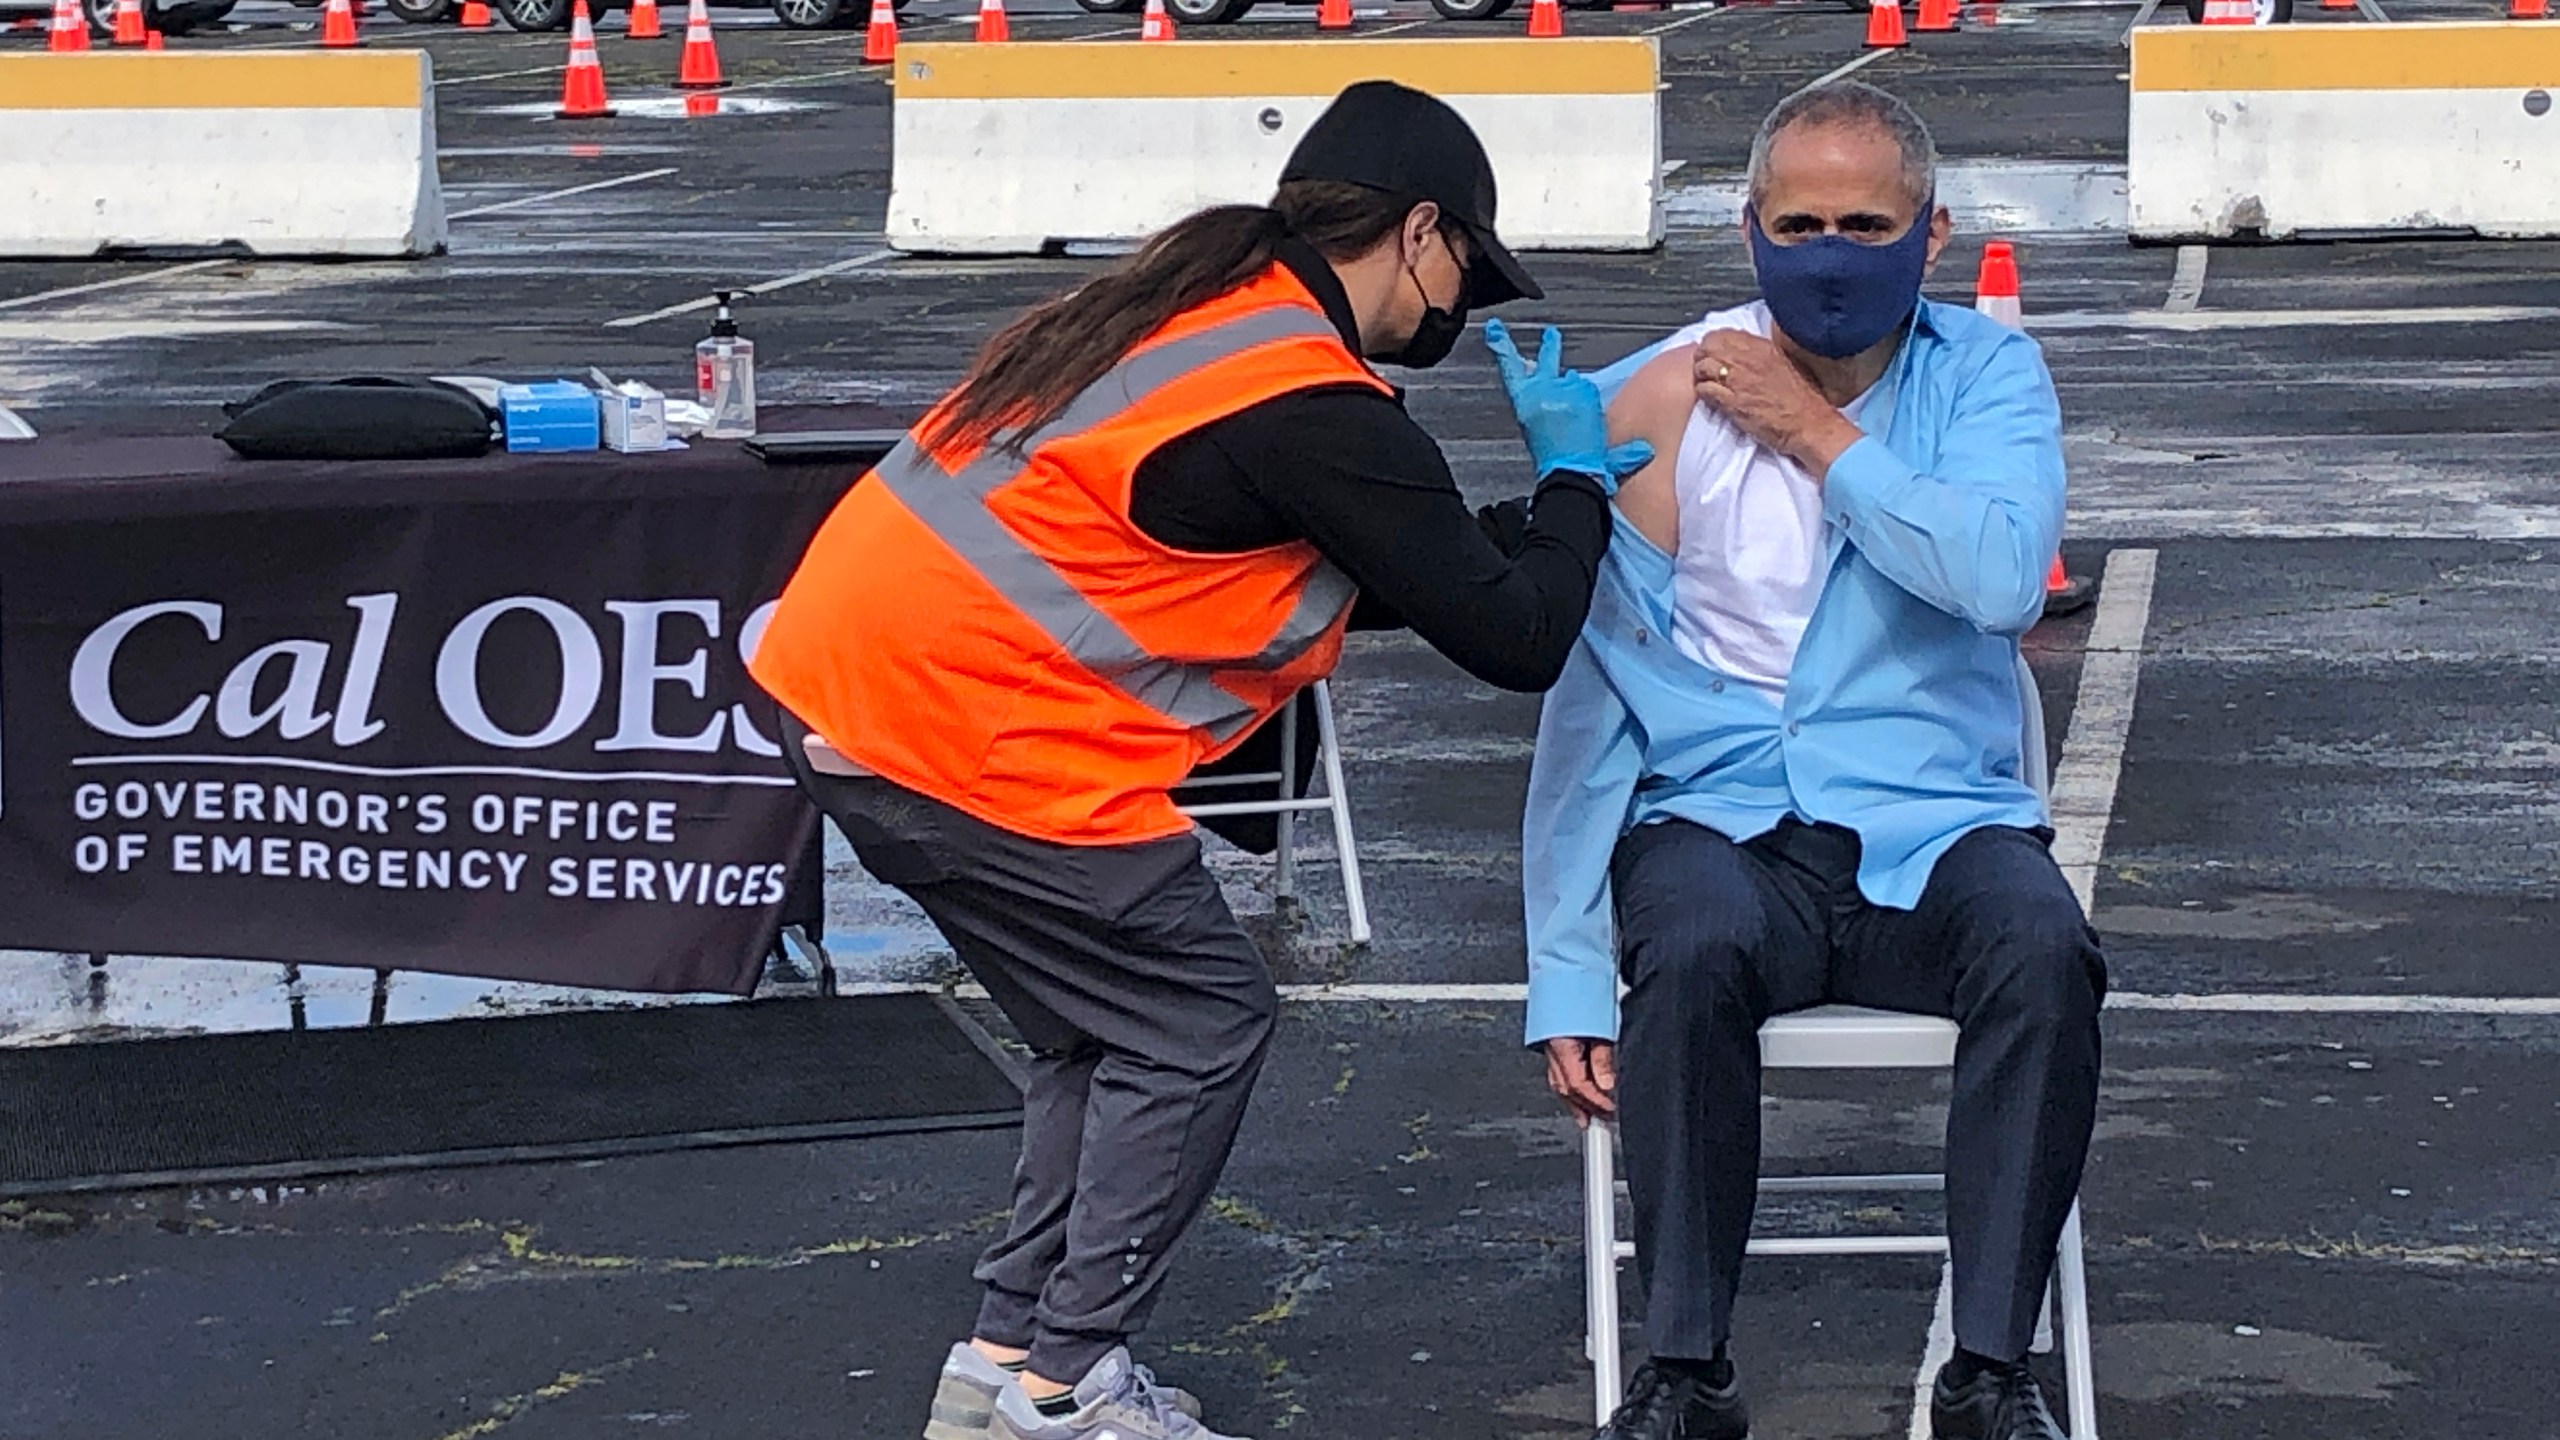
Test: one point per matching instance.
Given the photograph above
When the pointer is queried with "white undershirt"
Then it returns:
(1752, 548)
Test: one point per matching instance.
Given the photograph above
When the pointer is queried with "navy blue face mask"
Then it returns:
(1836, 296)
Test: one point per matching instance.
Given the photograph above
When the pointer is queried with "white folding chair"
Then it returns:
(1841, 1037)
(1286, 806)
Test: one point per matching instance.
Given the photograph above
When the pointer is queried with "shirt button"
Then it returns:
(1718, 687)
(1793, 728)
(1643, 638)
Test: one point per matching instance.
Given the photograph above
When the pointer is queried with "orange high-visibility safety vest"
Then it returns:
(991, 629)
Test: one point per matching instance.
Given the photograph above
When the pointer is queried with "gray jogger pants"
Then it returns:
(1148, 1010)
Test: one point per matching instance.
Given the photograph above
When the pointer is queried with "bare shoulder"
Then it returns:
(1655, 407)
(1655, 403)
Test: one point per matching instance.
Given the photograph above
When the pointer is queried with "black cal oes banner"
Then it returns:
(508, 733)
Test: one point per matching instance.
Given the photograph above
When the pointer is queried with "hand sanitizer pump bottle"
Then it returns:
(724, 370)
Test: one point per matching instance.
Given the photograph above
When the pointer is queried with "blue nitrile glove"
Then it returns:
(1560, 413)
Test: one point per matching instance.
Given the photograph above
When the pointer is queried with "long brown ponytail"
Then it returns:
(1032, 368)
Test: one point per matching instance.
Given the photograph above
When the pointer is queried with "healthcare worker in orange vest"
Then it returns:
(1140, 524)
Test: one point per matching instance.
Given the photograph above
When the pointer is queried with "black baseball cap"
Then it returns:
(1411, 145)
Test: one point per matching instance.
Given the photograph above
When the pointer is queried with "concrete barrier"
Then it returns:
(292, 153)
(2293, 130)
(1001, 149)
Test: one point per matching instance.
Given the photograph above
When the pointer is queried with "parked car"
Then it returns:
(1223, 12)
(170, 17)
(554, 14)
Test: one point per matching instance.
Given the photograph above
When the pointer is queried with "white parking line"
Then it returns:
(802, 277)
(2198, 320)
(2186, 287)
(500, 75)
(907, 23)
(2372, 1005)
(589, 188)
(1853, 67)
(118, 283)
(1936, 1351)
(1685, 21)
(817, 78)
(2237, 1003)
(2084, 784)
(165, 272)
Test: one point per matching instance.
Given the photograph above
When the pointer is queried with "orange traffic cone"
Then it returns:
(338, 25)
(2242, 12)
(1995, 293)
(70, 33)
(1884, 25)
(1936, 16)
(1156, 24)
(151, 40)
(582, 89)
(643, 24)
(2065, 592)
(476, 16)
(700, 67)
(2337, 4)
(992, 26)
(128, 22)
(2516, 10)
(1995, 289)
(1546, 19)
(1333, 14)
(880, 42)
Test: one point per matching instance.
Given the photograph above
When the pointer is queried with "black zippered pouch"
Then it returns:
(373, 417)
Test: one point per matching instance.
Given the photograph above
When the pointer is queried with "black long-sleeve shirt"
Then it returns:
(1346, 469)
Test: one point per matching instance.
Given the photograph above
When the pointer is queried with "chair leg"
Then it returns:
(1354, 897)
(1284, 876)
(1600, 1270)
(2080, 1381)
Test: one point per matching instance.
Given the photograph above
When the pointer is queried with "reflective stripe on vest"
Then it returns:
(953, 505)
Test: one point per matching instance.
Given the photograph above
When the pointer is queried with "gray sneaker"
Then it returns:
(964, 1402)
(1114, 1402)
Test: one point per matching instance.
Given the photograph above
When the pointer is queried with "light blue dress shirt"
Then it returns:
(1903, 713)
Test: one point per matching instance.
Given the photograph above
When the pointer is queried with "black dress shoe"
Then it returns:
(1999, 1403)
(1667, 1404)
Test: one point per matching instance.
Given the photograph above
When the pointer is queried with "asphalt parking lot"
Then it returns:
(2319, 708)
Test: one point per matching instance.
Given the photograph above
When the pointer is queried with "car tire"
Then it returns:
(1110, 7)
(2270, 12)
(195, 15)
(420, 12)
(535, 16)
(810, 14)
(1208, 12)
(1471, 9)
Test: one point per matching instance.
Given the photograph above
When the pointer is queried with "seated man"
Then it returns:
(1783, 764)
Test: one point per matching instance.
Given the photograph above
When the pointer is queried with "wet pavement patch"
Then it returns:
(283, 1105)
(671, 107)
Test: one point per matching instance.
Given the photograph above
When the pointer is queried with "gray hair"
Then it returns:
(1851, 102)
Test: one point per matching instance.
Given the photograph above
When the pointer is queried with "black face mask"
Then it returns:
(1437, 333)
